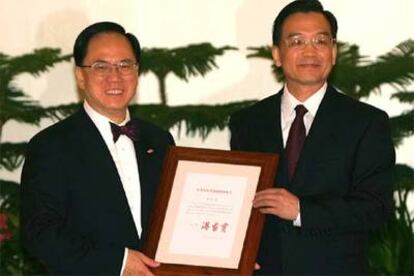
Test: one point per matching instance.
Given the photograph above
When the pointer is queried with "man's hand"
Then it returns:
(278, 202)
(137, 264)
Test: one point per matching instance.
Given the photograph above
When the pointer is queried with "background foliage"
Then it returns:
(391, 251)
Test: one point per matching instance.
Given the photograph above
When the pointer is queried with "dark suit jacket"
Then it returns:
(343, 181)
(75, 215)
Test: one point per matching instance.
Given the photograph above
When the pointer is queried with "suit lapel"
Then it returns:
(321, 133)
(270, 135)
(96, 152)
(103, 173)
(324, 120)
(271, 132)
(145, 153)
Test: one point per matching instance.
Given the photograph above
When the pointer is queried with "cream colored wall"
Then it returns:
(375, 25)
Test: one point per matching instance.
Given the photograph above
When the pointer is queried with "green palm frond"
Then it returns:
(395, 68)
(12, 155)
(404, 178)
(10, 196)
(260, 52)
(197, 119)
(18, 107)
(14, 103)
(404, 96)
(265, 52)
(192, 60)
(40, 60)
(391, 248)
(346, 75)
(402, 126)
(61, 111)
(183, 62)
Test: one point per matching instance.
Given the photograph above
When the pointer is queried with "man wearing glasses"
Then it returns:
(89, 181)
(334, 178)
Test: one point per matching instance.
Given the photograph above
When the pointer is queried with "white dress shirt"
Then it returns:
(288, 114)
(123, 154)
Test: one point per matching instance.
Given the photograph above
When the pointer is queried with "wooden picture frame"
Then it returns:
(201, 189)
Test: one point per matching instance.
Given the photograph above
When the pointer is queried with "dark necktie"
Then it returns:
(129, 130)
(296, 138)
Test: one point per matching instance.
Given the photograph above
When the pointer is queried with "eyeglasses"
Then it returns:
(319, 42)
(103, 69)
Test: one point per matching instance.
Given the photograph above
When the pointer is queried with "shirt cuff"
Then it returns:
(297, 222)
(124, 261)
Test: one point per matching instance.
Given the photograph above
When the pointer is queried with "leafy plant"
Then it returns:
(183, 62)
(16, 105)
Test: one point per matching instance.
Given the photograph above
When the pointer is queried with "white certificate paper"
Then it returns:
(208, 213)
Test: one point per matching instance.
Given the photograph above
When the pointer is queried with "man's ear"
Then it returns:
(80, 78)
(276, 56)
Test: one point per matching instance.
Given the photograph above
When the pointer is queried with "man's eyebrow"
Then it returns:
(122, 60)
(294, 34)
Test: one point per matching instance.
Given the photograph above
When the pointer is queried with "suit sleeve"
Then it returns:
(170, 139)
(368, 202)
(45, 233)
(235, 138)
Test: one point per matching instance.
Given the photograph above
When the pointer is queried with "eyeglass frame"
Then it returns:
(94, 67)
(307, 41)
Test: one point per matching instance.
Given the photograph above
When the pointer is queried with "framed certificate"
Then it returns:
(203, 221)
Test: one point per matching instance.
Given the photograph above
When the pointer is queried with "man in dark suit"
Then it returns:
(334, 178)
(89, 181)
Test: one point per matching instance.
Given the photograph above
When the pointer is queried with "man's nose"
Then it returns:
(114, 72)
(309, 48)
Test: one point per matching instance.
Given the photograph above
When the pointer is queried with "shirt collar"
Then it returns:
(102, 122)
(289, 102)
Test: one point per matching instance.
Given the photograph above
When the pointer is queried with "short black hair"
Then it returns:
(82, 41)
(303, 6)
